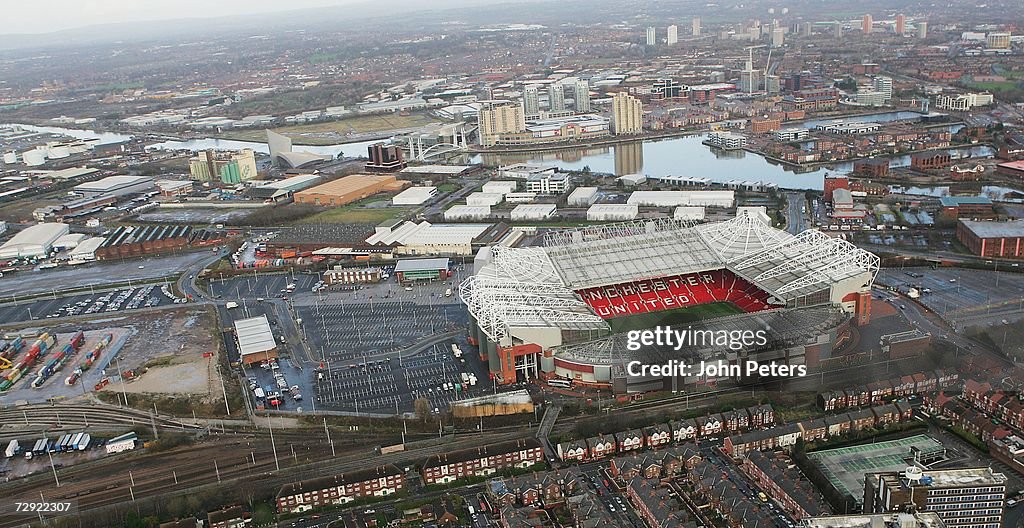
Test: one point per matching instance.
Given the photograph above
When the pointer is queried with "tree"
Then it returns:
(422, 408)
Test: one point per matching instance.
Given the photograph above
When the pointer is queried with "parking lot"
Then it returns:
(89, 303)
(253, 285)
(392, 384)
(963, 297)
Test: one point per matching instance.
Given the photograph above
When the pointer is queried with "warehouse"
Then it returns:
(612, 212)
(582, 197)
(133, 241)
(688, 212)
(677, 198)
(256, 341)
(533, 212)
(424, 238)
(992, 239)
(414, 196)
(484, 198)
(418, 270)
(116, 186)
(69, 241)
(520, 197)
(499, 187)
(283, 189)
(86, 250)
(349, 189)
(468, 212)
(35, 241)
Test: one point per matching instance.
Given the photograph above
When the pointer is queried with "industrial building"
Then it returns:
(992, 239)
(116, 186)
(424, 238)
(677, 198)
(255, 339)
(224, 167)
(172, 188)
(499, 187)
(133, 241)
(582, 197)
(35, 241)
(484, 198)
(420, 270)
(283, 189)
(522, 171)
(533, 212)
(414, 196)
(967, 207)
(520, 197)
(438, 172)
(467, 212)
(349, 189)
(86, 250)
(612, 212)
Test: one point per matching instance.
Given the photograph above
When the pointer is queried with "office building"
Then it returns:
(531, 100)
(498, 118)
(672, 37)
(963, 102)
(778, 37)
(581, 96)
(922, 30)
(971, 497)
(652, 36)
(865, 24)
(695, 26)
(669, 89)
(901, 24)
(556, 183)
(727, 140)
(997, 40)
(223, 167)
(556, 98)
(627, 114)
(384, 158)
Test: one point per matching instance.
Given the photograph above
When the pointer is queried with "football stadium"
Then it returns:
(564, 310)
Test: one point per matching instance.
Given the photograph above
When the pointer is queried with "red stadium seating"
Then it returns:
(677, 291)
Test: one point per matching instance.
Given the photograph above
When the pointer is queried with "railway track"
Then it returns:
(105, 482)
(93, 415)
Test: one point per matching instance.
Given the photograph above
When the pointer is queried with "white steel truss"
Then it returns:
(527, 264)
(741, 236)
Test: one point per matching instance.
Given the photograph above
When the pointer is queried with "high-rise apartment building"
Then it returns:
(922, 30)
(500, 117)
(652, 36)
(556, 97)
(225, 167)
(627, 114)
(866, 23)
(971, 497)
(778, 37)
(837, 30)
(901, 24)
(695, 26)
(884, 85)
(581, 95)
(673, 35)
(531, 100)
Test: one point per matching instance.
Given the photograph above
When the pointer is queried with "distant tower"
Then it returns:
(673, 35)
(627, 114)
(837, 30)
(778, 37)
(531, 100)
(922, 30)
(901, 24)
(556, 98)
(884, 85)
(652, 36)
(696, 26)
(865, 24)
(581, 94)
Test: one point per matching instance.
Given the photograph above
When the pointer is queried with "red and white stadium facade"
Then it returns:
(533, 308)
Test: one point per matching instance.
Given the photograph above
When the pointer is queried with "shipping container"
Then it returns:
(75, 440)
(13, 448)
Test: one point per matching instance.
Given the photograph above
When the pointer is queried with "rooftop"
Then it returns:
(954, 201)
(254, 335)
(881, 520)
(421, 264)
(1010, 229)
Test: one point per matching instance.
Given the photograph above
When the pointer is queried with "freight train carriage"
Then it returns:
(562, 309)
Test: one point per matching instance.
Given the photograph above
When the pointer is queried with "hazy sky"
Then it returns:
(44, 16)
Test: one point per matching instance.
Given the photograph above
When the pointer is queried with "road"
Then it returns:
(796, 219)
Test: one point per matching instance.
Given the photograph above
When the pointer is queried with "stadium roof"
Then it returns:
(535, 286)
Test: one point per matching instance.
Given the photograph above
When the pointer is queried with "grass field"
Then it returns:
(355, 214)
(673, 317)
(332, 132)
